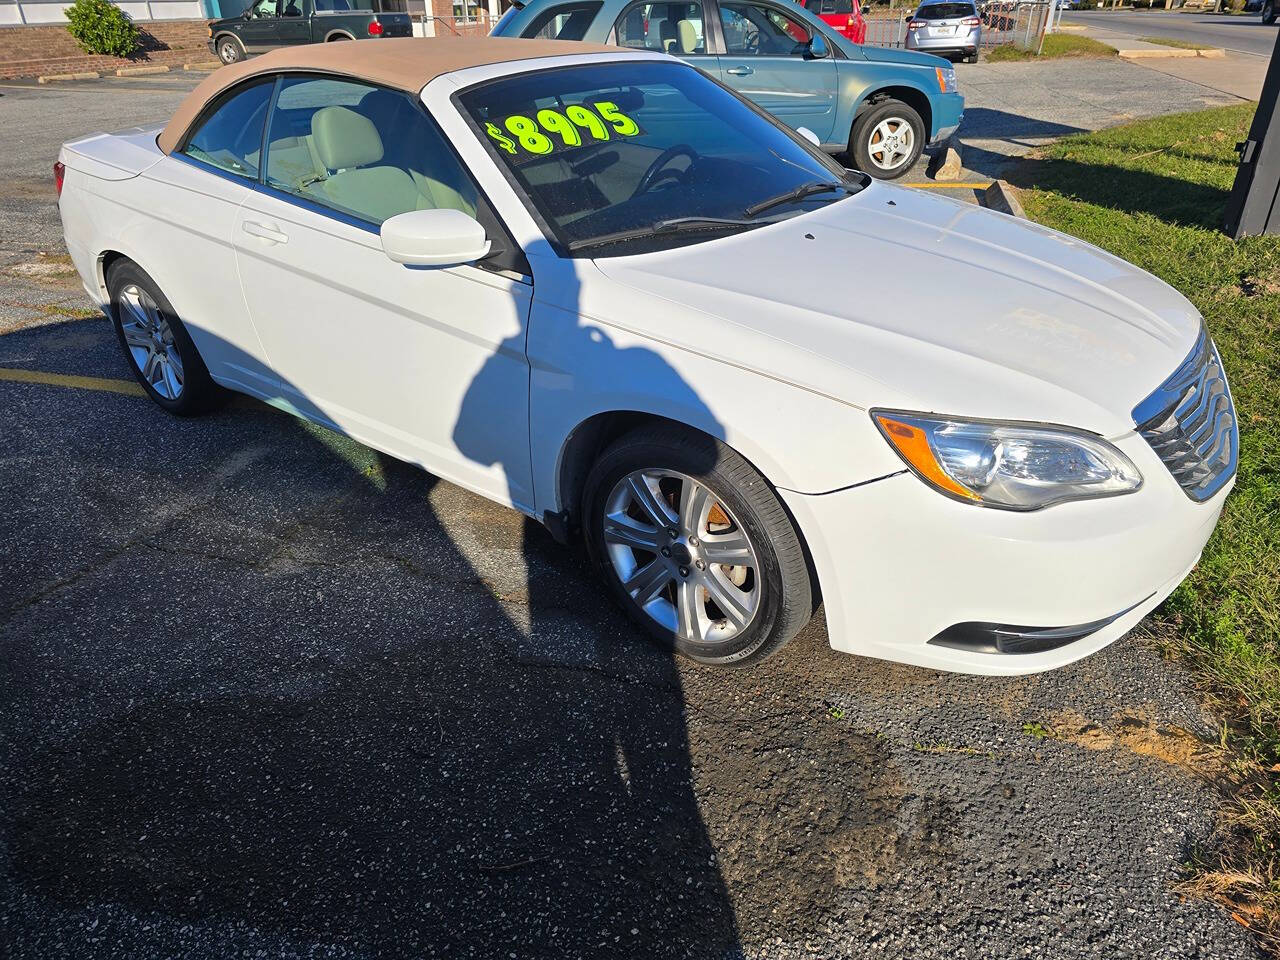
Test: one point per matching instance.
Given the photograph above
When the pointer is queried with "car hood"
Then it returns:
(900, 298)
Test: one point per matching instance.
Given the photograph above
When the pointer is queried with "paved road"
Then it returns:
(1246, 34)
(264, 692)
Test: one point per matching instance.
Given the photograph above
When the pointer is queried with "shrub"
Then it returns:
(102, 27)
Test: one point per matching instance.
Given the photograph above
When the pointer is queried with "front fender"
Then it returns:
(595, 348)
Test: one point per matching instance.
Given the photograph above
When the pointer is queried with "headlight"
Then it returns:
(946, 79)
(1012, 466)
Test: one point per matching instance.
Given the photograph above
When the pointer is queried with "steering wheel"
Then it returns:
(664, 158)
(751, 43)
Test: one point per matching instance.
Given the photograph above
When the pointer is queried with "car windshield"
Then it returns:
(946, 11)
(622, 157)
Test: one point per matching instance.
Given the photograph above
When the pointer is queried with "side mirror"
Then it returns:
(818, 49)
(434, 238)
(809, 135)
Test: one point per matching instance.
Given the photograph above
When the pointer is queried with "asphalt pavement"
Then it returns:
(1242, 34)
(267, 693)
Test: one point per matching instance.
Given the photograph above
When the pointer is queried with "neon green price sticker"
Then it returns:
(524, 136)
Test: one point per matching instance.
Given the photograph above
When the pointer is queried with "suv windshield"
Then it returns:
(625, 157)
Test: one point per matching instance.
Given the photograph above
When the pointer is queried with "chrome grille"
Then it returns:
(1190, 423)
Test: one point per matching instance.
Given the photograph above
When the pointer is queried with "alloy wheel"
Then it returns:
(891, 143)
(681, 555)
(149, 339)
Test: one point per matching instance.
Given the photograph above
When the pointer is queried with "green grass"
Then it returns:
(1171, 42)
(1153, 192)
(1055, 45)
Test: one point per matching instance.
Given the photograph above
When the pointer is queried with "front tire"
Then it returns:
(156, 345)
(1268, 13)
(230, 51)
(887, 139)
(695, 546)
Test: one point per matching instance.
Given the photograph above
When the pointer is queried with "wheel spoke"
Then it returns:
(648, 501)
(732, 549)
(695, 503)
(175, 361)
(691, 615)
(149, 366)
(135, 336)
(135, 310)
(647, 581)
(735, 604)
(621, 529)
(171, 384)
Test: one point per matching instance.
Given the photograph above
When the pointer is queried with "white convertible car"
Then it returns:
(597, 286)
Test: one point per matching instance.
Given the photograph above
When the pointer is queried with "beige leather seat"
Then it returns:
(348, 144)
(687, 36)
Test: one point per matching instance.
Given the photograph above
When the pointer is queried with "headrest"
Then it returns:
(344, 138)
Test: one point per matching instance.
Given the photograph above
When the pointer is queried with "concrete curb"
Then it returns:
(141, 71)
(203, 65)
(1146, 54)
(1000, 196)
(57, 77)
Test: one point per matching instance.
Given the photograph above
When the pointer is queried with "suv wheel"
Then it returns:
(887, 139)
(229, 50)
(696, 547)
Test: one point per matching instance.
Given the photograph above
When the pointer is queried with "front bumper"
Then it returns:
(948, 111)
(900, 564)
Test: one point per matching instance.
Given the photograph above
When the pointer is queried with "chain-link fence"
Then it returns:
(1019, 22)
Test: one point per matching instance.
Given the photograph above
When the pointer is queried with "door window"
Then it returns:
(757, 30)
(364, 151)
(666, 27)
(264, 8)
(569, 21)
(230, 137)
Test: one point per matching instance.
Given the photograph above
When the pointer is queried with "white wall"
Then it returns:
(44, 11)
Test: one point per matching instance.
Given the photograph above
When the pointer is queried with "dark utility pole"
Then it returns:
(1253, 208)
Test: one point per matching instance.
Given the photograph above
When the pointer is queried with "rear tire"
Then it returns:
(156, 345)
(887, 139)
(230, 51)
(717, 613)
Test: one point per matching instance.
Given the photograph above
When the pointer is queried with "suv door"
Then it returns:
(766, 59)
(381, 351)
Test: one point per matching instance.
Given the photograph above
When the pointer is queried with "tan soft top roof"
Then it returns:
(408, 63)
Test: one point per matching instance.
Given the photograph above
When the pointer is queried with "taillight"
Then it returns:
(970, 22)
(375, 29)
(917, 24)
(59, 174)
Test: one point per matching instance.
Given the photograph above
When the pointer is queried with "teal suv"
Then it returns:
(882, 106)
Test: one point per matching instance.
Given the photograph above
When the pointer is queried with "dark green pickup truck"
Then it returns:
(267, 24)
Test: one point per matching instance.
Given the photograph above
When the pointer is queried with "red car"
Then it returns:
(844, 15)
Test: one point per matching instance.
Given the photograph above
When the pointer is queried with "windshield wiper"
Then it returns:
(799, 193)
(673, 225)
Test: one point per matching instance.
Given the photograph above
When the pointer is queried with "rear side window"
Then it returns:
(946, 11)
(829, 6)
(569, 21)
(230, 136)
(666, 27)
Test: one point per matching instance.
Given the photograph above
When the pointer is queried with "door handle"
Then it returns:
(264, 231)
(739, 71)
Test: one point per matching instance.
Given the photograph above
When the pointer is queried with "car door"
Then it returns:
(378, 350)
(766, 59)
(192, 206)
(675, 28)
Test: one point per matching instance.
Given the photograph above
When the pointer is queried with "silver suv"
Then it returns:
(947, 29)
